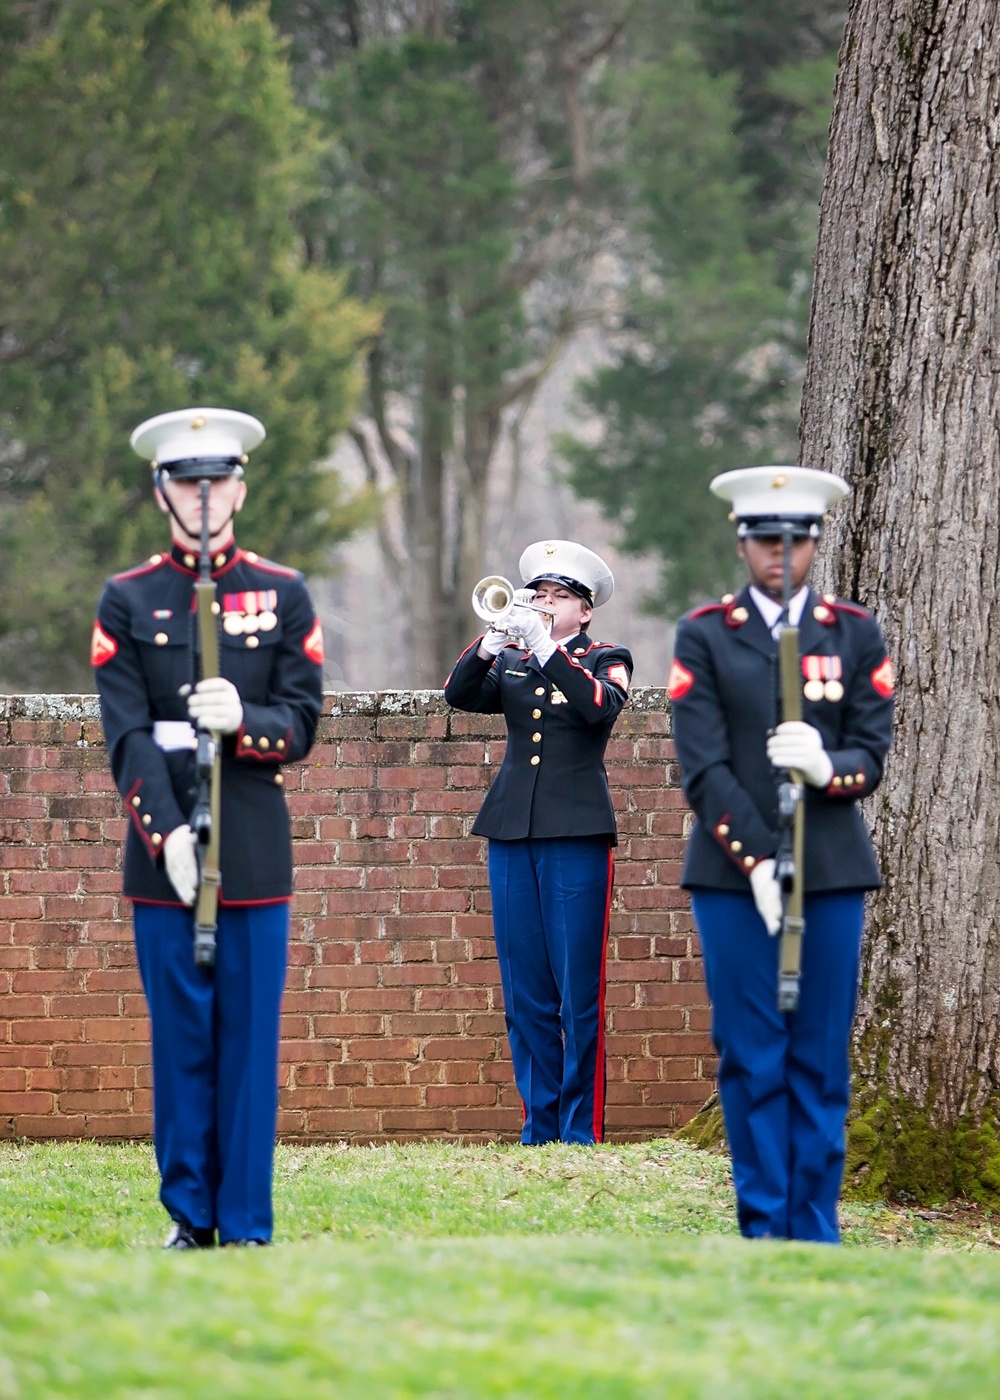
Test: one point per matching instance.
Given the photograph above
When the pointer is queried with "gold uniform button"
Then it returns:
(156, 558)
(147, 820)
(161, 639)
(251, 557)
(536, 738)
(536, 714)
(740, 614)
(749, 862)
(722, 829)
(736, 847)
(265, 743)
(535, 760)
(838, 782)
(579, 651)
(280, 745)
(136, 801)
(253, 641)
(216, 609)
(156, 838)
(279, 778)
(849, 781)
(247, 741)
(220, 559)
(540, 690)
(727, 598)
(829, 597)
(821, 613)
(859, 777)
(190, 560)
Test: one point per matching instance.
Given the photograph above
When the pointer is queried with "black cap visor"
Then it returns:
(774, 527)
(580, 589)
(201, 468)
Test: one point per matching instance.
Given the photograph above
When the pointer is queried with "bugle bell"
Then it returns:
(493, 598)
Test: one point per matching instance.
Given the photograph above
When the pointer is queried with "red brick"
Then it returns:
(389, 1096)
(384, 1048)
(26, 1125)
(25, 1101)
(424, 974)
(340, 1025)
(460, 1096)
(385, 1000)
(458, 1048)
(325, 1097)
(347, 1121)
(420, 1121)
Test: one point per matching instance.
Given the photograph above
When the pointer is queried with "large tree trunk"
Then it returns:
(902, 397)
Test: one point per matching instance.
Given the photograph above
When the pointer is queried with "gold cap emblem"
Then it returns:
(198, 422)
(778, 482)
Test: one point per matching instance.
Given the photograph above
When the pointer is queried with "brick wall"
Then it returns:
(393, 1020)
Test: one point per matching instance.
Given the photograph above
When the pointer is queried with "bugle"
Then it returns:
(494, 600)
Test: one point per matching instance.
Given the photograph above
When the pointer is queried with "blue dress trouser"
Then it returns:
(215, 1063)
(551, 902)
(784, 1079)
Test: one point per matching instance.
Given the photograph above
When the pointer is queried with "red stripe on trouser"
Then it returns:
(600, 1071)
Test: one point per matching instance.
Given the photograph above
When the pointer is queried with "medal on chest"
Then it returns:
(822, 678)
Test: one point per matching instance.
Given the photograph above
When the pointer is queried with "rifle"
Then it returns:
(208, 761)
(790, 857)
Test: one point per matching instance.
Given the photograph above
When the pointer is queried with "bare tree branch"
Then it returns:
(362, 433)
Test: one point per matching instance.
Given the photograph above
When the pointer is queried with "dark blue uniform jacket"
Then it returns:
(725, 692)
(559, 719)
(270, 647)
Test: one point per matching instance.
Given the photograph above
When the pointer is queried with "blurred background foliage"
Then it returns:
(386, 218)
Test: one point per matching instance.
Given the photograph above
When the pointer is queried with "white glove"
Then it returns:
(766, 894)
(798, 746)
(529, 624)
(182, 863)
(494, 642)
(215, 705)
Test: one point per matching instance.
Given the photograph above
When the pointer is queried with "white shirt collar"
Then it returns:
(771, 611)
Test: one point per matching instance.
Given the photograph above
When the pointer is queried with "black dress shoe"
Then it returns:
(244, 1244)
(189, 1237)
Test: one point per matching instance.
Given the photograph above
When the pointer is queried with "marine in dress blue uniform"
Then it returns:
(551, 828)
(214, 1032)
(783, 1077)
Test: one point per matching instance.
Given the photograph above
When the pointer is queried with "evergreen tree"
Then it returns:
(723, 109)
(154, 158)
(459, 193)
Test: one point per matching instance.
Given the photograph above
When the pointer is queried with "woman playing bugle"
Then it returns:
(551, 829)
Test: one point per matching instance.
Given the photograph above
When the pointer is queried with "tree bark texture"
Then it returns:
(901, 397)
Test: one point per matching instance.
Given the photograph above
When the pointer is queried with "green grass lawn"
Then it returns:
(440, 1271)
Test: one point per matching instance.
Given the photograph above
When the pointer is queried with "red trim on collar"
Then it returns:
(256, 562)
(148, 566)
(707, 608)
